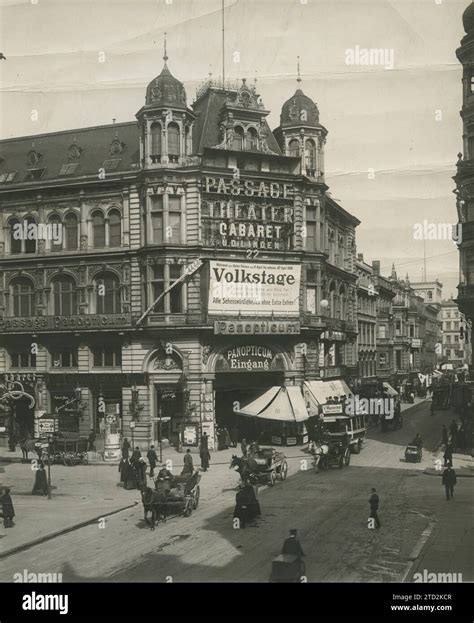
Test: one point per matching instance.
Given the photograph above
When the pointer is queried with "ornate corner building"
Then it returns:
(464, 177)
(99, 228)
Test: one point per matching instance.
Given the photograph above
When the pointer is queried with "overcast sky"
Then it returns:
(403, 122)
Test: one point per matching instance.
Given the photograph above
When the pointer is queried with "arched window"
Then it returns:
(173, 141)
(30, 242)
(98, 230)
(22, 295)
(332, 299)
(187, 141)
(342, 301)
(294, 147)
(71, 231)
(238, 142)
(64, 296)
(252, 139)
(15, 233)
(115, 229)
(107, 293)
(310, 156)
(155, 147)
(56, 233)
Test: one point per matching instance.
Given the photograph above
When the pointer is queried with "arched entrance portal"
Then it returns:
(242, 374)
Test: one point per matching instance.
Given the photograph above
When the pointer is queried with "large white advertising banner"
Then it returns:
(254, 288)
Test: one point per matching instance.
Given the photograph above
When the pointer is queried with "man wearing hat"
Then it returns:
(292, 545)
(163, 480)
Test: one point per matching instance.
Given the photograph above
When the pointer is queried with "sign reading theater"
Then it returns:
(250, 214)
(251, 289)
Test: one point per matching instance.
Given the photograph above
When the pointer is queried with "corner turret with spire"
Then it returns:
(165, 121)
(300, 134)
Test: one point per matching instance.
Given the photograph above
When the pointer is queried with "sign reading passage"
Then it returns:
(254, 288)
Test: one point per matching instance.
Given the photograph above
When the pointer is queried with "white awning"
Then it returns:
(320, 391)
(389, 389)
(285, 404)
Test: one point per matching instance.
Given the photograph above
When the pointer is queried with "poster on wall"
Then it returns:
(208, 428)
(253, 288)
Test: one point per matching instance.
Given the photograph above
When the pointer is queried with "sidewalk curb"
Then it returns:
(416, 551)
(430, 471)
(53, 535)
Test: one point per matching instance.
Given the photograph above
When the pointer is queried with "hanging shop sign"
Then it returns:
(259, 327)
(253, 215)
(44, 426)
(254, 288)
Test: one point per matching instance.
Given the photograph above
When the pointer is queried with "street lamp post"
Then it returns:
(132, 428)
(50, 440)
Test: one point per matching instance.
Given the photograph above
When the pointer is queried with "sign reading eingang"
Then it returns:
(253, 288)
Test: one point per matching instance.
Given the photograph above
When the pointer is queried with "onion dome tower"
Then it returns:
(300, 133)
(166, 123)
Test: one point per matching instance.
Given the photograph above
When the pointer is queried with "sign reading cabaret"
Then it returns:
(255, 215)
(253, 288)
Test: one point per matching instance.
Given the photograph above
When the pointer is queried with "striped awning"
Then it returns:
(284, 404)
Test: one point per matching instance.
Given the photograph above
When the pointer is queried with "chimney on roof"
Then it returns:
(360, 257)
(114, 120)
(376, 267)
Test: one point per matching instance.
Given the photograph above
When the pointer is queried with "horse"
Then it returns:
(320, 455)
(246, 467)
(154, 502)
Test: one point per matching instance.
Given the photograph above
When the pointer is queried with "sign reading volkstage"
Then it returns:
(254, 288)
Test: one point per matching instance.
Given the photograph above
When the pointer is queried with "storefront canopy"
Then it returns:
(321, 391)
(389, 389)
(285, 404)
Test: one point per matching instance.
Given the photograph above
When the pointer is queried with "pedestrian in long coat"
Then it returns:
(449, 481)
(448, 456)
(130, 481)
(204, 452)
(243, 447)
(444, 435)
(123, 468)
(152, 459)
(125, 449)
(140, 468)
(374, 506)
(136, 456)
(7, 509)
(188, 467)
(41, 483)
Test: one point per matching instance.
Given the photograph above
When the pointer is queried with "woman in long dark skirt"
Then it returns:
(41, 483)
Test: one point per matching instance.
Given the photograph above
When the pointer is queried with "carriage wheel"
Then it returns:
(356, 447)
(347, 457)
(284, 470)
(272, 479)
(197, 495)
(188, 509)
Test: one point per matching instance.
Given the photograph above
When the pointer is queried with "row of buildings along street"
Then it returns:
(184, 286)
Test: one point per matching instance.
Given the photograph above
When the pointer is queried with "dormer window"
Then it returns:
(33, 158)
(252, 139)
(238, 142)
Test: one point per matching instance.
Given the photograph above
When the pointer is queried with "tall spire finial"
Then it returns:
(165, 56)
(298, 79)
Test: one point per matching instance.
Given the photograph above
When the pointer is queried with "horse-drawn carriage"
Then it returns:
(330, 453)
(264, 465)
(181, 498)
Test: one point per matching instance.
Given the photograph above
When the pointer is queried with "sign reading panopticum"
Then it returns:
(256, 327)
(253, 288)
(245, 223)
